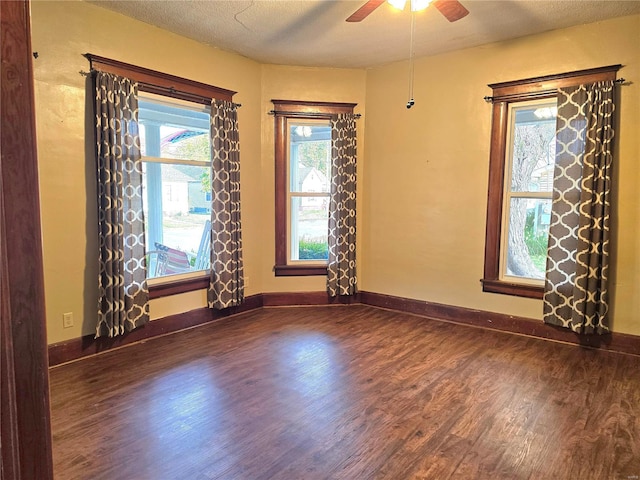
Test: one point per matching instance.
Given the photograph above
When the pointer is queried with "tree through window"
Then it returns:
(529, 184)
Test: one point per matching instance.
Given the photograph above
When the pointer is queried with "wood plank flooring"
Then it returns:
(346, 392)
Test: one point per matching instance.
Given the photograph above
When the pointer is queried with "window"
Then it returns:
(528, 186)
(521, 169)
(309, 169)
(176, 155)
(303, 180)
(169, 102)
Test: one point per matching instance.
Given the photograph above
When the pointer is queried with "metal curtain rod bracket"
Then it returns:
(490, 99)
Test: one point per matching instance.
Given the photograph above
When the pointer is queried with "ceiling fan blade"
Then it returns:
(364, 11)
(451, 9)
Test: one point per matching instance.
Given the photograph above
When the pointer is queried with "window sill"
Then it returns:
(178, 286)
(299, 270)
(516, 289)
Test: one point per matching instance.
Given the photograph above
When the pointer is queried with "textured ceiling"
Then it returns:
(314, 33)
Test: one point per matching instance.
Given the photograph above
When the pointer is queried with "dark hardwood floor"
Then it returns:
(346, 392)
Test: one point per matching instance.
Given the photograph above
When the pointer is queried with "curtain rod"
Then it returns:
(541, 93)
(306, 114)
(167, 91)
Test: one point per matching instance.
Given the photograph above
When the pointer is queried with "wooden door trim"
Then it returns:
(26, 438)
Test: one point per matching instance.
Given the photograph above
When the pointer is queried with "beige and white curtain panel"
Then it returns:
(576, 287)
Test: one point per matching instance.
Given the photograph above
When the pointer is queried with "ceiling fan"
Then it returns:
(451, 9)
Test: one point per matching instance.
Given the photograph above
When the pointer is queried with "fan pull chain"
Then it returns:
(411, 53)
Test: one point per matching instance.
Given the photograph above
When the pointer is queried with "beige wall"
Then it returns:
(61, 32)
(426, 180)
(314, 84)
(422, 180)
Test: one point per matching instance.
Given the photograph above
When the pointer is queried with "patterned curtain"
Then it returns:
(226, 288)
(341, 267)
(576, 291)
(123, 292)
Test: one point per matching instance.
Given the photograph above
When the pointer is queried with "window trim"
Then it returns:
(284, 111)
(173, 287)
(301, 195)
(167, 85)
(504, 94)
(164, 84)
(508, 194)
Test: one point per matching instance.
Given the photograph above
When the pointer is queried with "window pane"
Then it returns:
(309, 225)
(528, 237)
(177, 207)
(177, 201)
(309, 157)
(533, 148)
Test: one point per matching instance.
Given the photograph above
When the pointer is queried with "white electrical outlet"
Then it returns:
(67, 319)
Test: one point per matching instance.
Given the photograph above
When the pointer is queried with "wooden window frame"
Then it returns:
(503, 95)
(159, 83)
(285, 110)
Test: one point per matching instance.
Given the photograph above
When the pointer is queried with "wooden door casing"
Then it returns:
(25, 440)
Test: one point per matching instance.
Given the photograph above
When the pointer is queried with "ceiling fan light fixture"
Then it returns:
(416, 5)
(452, 10)
(399, 4)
